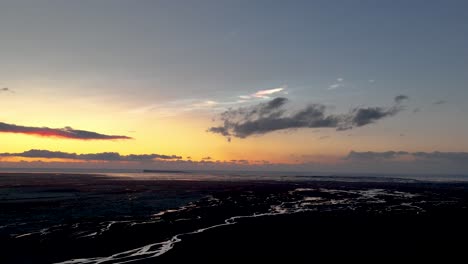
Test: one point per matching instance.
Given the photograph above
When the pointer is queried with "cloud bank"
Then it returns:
(66, 132)
(273, 116)
(354, 163)
(103, 156)
(392, 155)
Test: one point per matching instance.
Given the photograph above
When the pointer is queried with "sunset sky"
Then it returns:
(372, 86)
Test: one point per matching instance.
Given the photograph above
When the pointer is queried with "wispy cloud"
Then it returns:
(66, 132)
(176, 107)
(205, 104)
(273, 116)
(103, 156)
(6, 90)
(338, 84)
(439, 102)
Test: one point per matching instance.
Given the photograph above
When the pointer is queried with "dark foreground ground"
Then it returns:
(95, 219)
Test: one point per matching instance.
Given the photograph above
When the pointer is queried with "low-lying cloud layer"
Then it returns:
(104, 156)
(272, 116)
(66, 132)
(392, 155)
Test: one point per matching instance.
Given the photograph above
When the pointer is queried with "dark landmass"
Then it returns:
(99, 219)
(165, 171)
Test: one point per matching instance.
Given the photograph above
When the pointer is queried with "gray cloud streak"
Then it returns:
(439, 102)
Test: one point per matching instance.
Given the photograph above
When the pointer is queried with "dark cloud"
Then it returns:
(439, 102)
(66, 132)
(437, 155)
(369, 115)
(272, 116)
(400, 98)
(206, 158)
(370, 155)
(104, 156)
(428, 156)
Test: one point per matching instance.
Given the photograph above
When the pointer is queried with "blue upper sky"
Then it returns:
(218, 46)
